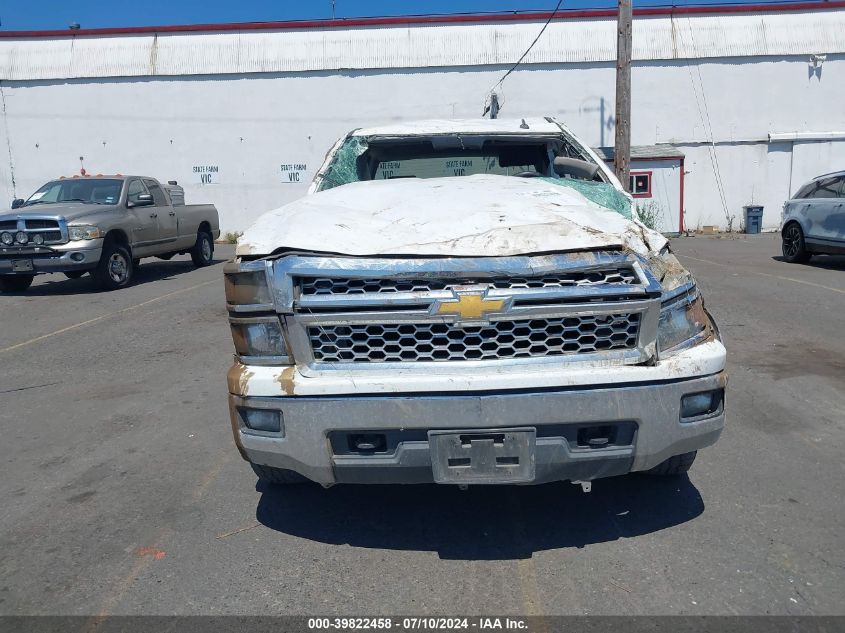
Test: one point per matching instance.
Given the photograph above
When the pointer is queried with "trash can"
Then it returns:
(753, 218)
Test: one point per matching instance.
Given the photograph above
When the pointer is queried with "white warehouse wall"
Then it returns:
(249, 125)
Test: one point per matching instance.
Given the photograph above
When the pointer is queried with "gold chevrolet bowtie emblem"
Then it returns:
(471, 307)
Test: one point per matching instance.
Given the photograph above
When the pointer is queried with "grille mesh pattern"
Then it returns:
(341, 286)
(42, 224)
(499, 340)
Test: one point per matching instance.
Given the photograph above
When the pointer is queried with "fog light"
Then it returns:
(38, 239)
(77, 257)
(267, 420)
(21, 237)
(7, 238)
(696, 405)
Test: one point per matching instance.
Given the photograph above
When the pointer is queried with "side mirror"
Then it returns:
(143, 200)
(575, 168)
(17, 203)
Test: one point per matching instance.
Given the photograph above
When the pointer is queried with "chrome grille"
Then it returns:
(41, 224)
(366, 343)
(52, 230)
(310, 286)
(363, 312)
(48, 236)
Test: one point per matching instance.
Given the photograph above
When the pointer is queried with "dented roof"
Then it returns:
(527, 125)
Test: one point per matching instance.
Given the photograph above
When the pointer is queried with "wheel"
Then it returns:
(74, 274)
(794, 249)
(202, 253)
(115, 268)
(15, 283)
(277, 476)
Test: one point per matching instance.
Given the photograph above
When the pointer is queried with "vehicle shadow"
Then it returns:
(149, 271)
(483, 522)
(829, 262)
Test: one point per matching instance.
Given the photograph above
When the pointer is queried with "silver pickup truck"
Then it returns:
(467, 302)
(103, 225)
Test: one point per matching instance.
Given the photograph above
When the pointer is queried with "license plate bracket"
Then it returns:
(22, 266)
(483, 456)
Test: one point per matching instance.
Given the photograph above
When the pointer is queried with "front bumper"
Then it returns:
(68, 257)
(315, 429)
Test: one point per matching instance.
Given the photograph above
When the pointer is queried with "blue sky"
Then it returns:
(57, 14)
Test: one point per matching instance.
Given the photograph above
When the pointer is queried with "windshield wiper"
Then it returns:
(29, 204)
(73, 200)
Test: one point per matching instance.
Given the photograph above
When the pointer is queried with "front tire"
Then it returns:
(793, 246)
(15, 283)
(115, 268)
(277, 476)
(675, 465)
(202, 254)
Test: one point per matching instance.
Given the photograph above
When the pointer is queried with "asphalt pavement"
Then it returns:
(122, 492)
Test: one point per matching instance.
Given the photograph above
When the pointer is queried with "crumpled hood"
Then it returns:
(479, 215)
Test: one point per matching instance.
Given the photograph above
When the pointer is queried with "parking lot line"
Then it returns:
(76, 326)
(754, 272)
(532, 601)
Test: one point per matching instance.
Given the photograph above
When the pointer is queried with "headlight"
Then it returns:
(247, 288)
(683, 322)
(7, 238)
(83, 232)
(260, 340)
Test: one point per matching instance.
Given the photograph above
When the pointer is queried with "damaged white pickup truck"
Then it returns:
(467, 302)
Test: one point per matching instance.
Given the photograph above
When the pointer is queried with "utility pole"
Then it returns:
(494, 105)
(622, 149)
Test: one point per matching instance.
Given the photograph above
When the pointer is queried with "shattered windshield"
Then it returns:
(359, 159)
(89, 191)
(466, 164)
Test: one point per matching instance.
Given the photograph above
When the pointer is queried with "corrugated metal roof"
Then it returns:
(642, 152)
(688, 36)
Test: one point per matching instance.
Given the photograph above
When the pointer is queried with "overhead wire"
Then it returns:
(707, 125)
(522, 57)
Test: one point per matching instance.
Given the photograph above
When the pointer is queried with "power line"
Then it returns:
(527, 50)
(704, 115)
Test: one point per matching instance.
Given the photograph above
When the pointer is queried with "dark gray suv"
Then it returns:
(814, 219)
